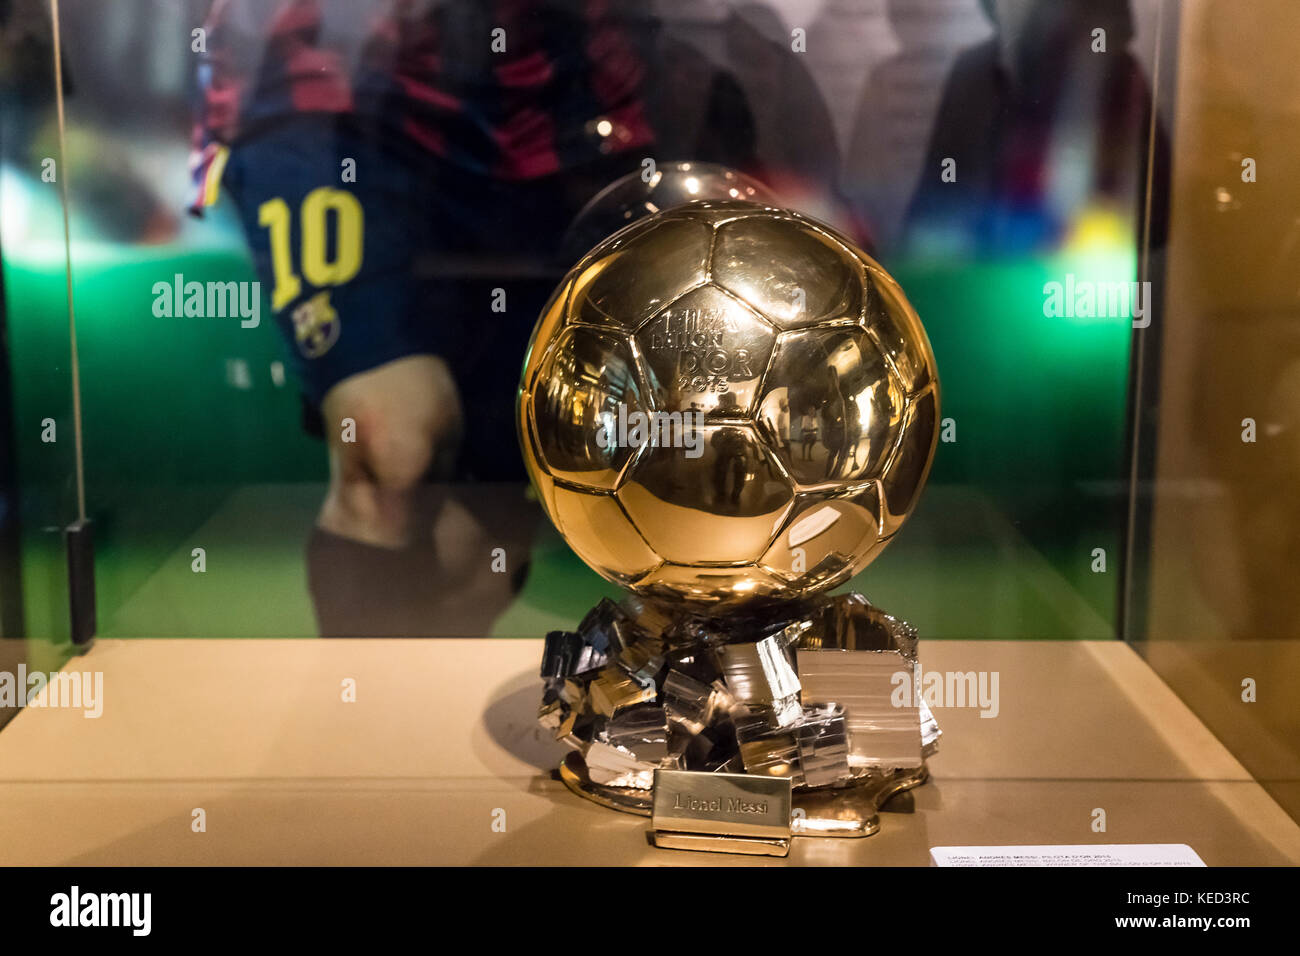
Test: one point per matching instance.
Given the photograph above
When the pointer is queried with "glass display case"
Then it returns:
(270, 271)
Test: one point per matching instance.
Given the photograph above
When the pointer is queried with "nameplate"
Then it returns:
(722, 804)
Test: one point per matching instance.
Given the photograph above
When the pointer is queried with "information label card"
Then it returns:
(1088, 854)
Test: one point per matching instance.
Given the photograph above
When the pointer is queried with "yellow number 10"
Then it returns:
(319, 203)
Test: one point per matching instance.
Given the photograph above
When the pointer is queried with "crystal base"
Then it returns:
(849, 811)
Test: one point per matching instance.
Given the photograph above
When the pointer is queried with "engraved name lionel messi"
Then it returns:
(685, 801)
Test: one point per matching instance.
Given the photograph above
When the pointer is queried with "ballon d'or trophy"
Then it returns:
(729, 410)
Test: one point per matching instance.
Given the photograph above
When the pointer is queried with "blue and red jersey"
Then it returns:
(511, 89)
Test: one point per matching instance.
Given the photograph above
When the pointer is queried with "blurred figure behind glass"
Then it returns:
(476, 131)
(1039, 126)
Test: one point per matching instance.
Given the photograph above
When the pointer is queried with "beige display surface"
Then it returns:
(439, 761)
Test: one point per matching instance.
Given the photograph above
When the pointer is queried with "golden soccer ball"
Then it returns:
(728, 403)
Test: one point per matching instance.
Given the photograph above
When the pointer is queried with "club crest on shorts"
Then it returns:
(316, 325)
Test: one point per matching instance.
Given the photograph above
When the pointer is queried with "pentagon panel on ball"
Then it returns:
(796, 273)
(706, 352)
(612, 285)
(587, 377)
(722, 507)
(836, 378)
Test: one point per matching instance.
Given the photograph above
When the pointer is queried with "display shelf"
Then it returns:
(441, 740)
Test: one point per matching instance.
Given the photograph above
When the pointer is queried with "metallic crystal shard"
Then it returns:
(549, 715)
(714, 749)
(833, 386)
(724, 700)
(574, 694)
(791, 634)
(930, 732)
(761, 675)
(651, 617)
(723, 507)
(640, 273)
(785, 711)
(687, 702)
(615, 689)
(850, 622)
(566, 654)
(695, 660)
(583, 384)
(644, 659)
(609, 627)
(577, 730)
(793, 271)
(613, 766)
(881, 734)
(641, 730)
(768, 751)
(557, 649)
(760, 672)
(824, 745)
(705, 352)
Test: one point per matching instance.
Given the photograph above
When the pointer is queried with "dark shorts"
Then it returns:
(404, 258)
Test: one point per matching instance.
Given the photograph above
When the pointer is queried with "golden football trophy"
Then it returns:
(729, 410)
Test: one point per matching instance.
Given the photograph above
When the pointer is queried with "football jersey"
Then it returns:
(512, 89)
